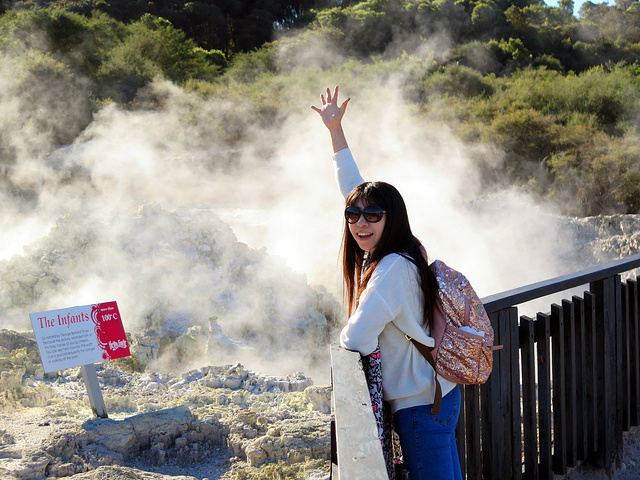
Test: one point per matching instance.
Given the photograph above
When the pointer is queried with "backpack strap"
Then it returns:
(426, 353)
(424, 349)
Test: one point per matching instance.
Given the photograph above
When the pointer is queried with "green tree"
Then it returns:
(566, 7)
(151, 48)
(487, 18)
(229, 26)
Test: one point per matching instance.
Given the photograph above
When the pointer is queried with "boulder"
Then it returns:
(32, 464)
(131, 436)
(290, 441)
(118, 472)
(319, 396)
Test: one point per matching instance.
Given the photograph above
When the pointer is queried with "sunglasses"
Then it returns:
(371, 213)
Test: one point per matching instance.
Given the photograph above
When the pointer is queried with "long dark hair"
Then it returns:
(396, 238)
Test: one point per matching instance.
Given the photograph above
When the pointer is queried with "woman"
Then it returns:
(392, 292)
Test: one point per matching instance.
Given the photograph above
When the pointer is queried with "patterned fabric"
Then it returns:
(384, 418)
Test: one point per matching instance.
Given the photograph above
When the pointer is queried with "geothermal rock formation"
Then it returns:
(207, 423)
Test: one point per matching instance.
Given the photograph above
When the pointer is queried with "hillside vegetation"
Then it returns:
(556, 94)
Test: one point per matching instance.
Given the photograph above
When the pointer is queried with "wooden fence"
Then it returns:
(563, 390)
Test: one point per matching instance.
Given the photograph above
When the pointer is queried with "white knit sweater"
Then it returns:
(390, 307)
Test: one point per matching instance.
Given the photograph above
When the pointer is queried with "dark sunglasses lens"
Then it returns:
(372, 217)
(352, 214)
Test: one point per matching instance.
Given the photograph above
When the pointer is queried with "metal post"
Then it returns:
(93, 389)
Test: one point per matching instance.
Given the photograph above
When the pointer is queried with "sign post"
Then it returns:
(90, 378)
(79, 337)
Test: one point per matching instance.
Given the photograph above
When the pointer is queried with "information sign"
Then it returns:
(77, 336)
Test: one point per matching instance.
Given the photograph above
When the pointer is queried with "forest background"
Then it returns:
(555, 94)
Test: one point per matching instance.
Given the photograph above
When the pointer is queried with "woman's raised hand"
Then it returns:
(330, 112)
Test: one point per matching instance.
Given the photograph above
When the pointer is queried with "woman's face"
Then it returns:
(367, 235)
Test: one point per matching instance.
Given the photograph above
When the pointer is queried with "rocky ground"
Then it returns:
(603, 238)
(217, 422)
(213, 421)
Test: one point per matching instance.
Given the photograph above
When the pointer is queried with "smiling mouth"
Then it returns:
(364, 235)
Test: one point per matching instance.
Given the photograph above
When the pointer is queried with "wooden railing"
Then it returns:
(563, 390)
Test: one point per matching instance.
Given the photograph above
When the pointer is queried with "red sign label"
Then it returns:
(110, 331)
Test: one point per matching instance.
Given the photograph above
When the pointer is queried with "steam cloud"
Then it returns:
(149, 209)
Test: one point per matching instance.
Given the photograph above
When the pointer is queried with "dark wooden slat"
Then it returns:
(461, 433)
(613, 383)
(582, 371)
(334, 440)
(516, 417)
(529, 419)
(492, 421)
(559, 390)
(473, 425)
(568, 313)
(616, 371)
(626, 357)
(605, 362)
(590, 379)
(635, 352)
(503, 358)
(543, 335)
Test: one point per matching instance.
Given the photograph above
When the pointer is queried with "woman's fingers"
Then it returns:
(328, 99)
(343, 107)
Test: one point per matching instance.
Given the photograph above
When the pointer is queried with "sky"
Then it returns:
(577, 4)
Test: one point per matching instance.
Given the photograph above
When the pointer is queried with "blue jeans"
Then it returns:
(429, 441)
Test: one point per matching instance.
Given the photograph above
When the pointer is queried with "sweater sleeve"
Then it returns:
(365, 325)
(346, 171)
(388, 297)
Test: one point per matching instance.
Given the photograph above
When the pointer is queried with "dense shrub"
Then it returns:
(603, 179)
(119, 58)
(557, 95)
(456, 80)
(151, 48)
(54, 105)
(570, 136)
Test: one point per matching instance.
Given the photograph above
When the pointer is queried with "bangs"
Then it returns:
(367, 192)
